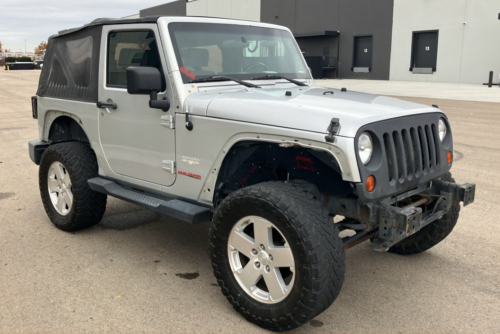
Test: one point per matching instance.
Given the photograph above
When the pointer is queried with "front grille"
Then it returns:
(412, 152)
(407, 153)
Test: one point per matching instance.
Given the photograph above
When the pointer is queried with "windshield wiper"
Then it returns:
(298, 83)
(224, 78)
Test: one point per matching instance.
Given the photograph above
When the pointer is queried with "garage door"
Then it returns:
(363, 51)
(424, 50)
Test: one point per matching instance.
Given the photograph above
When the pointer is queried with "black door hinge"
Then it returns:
(332, 130)
(189, 124)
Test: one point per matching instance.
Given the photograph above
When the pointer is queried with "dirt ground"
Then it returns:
(141, 272)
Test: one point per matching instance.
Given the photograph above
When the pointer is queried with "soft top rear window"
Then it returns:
(70, 69)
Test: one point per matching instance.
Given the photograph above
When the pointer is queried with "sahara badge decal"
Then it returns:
(190, 160)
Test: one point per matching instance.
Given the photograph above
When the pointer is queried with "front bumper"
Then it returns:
(389, 224)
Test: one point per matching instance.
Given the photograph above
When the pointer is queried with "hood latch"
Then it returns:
(332, 130)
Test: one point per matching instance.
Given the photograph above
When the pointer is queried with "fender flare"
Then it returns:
(55, 117)
(342, 158)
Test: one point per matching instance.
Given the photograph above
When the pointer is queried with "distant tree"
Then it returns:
(1, 48)
(40, 48)
(7, 50)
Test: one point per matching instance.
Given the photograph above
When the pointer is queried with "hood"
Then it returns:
(302, 108)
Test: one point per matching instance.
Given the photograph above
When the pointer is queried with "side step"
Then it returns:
(185, 211)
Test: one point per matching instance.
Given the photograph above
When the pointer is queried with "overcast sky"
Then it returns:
(37, 20)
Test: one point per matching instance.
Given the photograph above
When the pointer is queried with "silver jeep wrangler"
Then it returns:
(214, 120)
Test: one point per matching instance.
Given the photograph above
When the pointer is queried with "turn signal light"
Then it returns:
(370, 183)
(449, 157)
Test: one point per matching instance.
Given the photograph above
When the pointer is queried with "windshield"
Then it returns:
(237, 51)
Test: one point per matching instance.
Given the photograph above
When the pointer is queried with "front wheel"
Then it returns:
(276, 256)
(69, 202)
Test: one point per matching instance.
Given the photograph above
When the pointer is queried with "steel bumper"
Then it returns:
(395, 223)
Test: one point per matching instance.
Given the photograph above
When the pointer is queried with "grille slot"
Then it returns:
(412, 152)
(389, 155)
(400, 154)
(408, 148)
(417, 151)
(432, 147)
(425, 149)
(437, 142)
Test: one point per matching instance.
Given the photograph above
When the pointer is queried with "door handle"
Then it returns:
(108, 105)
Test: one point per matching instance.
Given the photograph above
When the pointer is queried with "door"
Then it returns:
(132, 136)
(363, 51)
(424, 53)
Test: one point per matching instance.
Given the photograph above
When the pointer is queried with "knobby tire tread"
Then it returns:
(325, 263)
(88, 206)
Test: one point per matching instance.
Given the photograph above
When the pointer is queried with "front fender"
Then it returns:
(342, 150)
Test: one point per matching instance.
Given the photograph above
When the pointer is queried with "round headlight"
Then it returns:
(365, 147)
(442, 130)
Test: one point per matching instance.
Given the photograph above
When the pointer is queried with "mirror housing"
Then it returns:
(143, 80)
(146, 80)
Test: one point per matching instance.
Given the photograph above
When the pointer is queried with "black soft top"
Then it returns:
(107, 21)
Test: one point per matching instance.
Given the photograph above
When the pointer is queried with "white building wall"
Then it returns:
(234, 9)
(466, 52)
(481, 51)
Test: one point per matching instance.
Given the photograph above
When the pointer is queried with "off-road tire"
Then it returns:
(313, 238)
(80, 161)
(432, 234)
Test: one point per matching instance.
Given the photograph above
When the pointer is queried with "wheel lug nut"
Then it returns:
(257, 264)
(270, 257)
(262, 247)
(267, 268)
(254, 251)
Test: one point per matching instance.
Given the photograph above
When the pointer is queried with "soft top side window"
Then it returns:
(131, 48)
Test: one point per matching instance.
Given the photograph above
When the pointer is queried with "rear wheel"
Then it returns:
(69, 202)
(276, 256)
(430, 235)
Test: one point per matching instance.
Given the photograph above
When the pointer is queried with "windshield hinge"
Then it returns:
(332, 130)
(168, 165)
(168, 121)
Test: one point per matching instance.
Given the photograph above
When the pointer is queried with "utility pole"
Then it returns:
(25, 47)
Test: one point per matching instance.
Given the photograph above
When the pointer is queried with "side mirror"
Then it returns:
(143, 80)
(146, 80)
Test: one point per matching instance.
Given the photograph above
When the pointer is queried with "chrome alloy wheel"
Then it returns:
(261, 259)
(59, 187)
